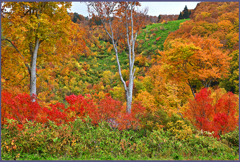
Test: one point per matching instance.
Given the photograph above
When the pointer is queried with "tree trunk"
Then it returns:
(131, 42)
(129, 95)
(33, 81)
(131, 57)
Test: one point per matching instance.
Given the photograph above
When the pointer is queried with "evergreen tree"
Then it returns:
(180, 16)
(75, 17)
(159, 18)
(95, 21)
(98, 22)
(189, 12)
(185, 13)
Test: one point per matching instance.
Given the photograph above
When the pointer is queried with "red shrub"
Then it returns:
(54, 114)
(80, 105)
(21, 108)
(114, 112)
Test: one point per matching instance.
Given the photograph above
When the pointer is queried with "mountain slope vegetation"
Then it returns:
(185, 91)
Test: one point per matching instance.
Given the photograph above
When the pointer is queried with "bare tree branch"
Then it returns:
(28, 67)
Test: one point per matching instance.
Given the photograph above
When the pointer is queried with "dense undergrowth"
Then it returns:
(82, 140)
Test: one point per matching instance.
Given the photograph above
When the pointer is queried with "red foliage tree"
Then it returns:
(219, 117)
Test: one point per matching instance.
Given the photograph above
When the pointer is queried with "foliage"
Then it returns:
(61, 40)
(118, 93)
(207, 144)
(157, 39)
(231, 83)
(140, 61)
(219, 116)
(19, 107)
(82, 140)
(169, 95)
(147, 101)
(105, 109)
(39, 26)
(179, 130)
(107, 77)
(80, 115)
(232, 138)
(191, 59)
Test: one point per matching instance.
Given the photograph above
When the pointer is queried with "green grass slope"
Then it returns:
(146, 45)
(154, 31)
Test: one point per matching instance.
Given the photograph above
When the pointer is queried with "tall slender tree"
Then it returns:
(121, 22)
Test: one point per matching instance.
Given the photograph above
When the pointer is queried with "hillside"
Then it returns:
(146, 46)
(63, 98)
(104, 60)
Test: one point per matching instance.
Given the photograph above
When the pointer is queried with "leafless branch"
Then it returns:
(28, 67)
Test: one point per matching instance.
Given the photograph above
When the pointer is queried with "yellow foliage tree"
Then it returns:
(147, 100)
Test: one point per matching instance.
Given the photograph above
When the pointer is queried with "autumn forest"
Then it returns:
(119, 84)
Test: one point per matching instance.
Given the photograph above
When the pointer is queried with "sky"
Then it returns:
(155, 8)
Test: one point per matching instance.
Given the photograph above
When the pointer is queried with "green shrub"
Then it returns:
(179, 130)
(82, 140)
(232, 138)
(101, 56)
(211, 144)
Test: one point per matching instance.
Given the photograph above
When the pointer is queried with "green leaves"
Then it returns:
(55, 139)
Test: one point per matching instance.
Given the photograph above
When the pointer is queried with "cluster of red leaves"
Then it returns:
(21, 108)
(18, 108)
(80, 105)
(220, 117)
(114, 112)
(54, 114)
(157, 39)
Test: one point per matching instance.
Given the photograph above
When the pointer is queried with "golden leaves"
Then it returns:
(147, 100)
(195, 58)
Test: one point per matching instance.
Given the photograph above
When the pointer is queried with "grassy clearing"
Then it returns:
(161, 30)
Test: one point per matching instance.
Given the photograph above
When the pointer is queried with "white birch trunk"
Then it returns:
(131, 43)
(33, 79)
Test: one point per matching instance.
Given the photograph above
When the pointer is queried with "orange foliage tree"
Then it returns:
(196, 58)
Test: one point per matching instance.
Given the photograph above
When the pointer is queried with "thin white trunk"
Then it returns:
(131, 44)
(33, 79)
(130, 41)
